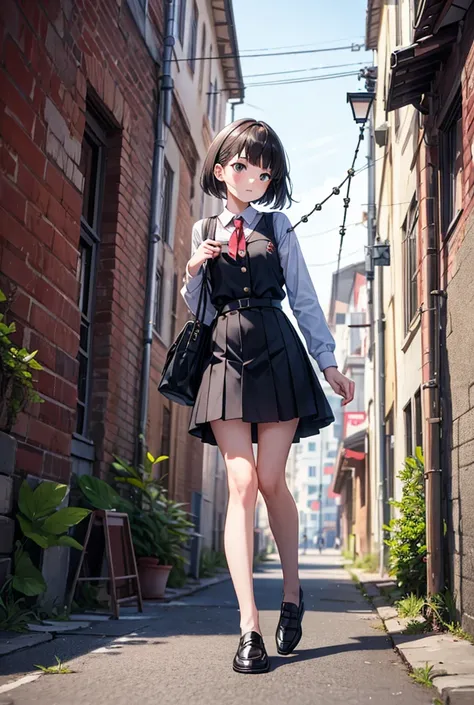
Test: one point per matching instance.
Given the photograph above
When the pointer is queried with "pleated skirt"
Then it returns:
(260, 372)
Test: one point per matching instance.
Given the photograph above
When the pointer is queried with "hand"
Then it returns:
(342, 385)
(209, 249)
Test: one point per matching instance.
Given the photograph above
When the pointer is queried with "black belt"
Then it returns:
(239, 304)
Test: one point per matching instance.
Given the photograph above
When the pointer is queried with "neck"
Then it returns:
(235, 205)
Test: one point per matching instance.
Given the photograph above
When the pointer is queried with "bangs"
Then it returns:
(260, 145)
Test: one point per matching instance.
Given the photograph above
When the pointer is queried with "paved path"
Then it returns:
(182, 654)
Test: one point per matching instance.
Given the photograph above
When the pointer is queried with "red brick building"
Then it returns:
(78, 112)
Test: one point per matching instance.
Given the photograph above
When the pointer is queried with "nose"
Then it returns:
(251, 181)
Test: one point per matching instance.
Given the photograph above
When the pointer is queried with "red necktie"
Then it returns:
(237, 243)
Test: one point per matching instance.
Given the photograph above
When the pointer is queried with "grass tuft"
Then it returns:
(55, 670)
(422, 675)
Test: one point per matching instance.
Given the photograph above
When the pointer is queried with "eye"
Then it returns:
(238, 167)
(265, 177)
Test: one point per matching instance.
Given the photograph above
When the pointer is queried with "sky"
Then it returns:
(312, 119)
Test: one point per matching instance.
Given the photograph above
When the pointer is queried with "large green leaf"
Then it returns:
(27, 579)
(98, 493)
(67, 541)
(63, 519)
(47, 496)
(26, 500)
(131, 481)
(32, 532)
(2, 296)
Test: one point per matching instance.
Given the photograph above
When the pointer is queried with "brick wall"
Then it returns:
(457, 340)
(58, 58)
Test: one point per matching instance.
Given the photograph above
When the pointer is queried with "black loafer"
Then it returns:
(251, 656)
(289, 631)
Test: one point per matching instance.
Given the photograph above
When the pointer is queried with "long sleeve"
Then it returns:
(192, 287)
(302, 295)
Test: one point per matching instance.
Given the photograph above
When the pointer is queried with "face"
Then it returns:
(242, 179)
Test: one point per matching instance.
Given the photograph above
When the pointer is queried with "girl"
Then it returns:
(259, 385)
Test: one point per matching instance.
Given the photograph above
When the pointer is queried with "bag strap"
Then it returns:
(209, 227)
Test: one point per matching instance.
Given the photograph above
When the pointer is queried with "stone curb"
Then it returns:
(452, 659)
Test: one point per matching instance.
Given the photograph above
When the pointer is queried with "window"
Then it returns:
(214, 105)
(166, 202)
(174, 307)
(418, 420)
(407, 415)
(340, 318)
(312, 471)
(92, 167)
(451, 167)
(165, 445)
(210, 99)
(410, 263)
(181, 20)
(311, 447)
(312, 489)
(202, 62)
(389, 459)
(193, 39)
(159, 300)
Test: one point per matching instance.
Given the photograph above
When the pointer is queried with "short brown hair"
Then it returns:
(257, 142)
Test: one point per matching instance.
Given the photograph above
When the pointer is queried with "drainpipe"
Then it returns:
(162, 120)
(377, 342)
(433, 477)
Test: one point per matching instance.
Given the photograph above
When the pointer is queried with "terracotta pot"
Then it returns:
(153, 578)
(147, 562)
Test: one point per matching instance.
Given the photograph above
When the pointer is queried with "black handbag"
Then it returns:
(186, 358)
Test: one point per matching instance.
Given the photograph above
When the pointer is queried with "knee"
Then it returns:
(270, 484)
(243, 487)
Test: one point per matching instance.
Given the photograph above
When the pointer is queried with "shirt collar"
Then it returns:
(226, 217)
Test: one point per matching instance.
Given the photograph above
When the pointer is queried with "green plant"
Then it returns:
(407, 540)
(98, 493)
(44, 524)
(14, 615)
(41, 521)
(422, 675)
(208, 562)
(16, 378)
(58, 669)
(141, 479)
(410, 606)
(416, 627)
(369, 562)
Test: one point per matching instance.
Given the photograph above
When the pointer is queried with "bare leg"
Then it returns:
(235, 443)
(274, 442)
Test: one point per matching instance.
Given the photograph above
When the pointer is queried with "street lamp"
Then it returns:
(360, 103)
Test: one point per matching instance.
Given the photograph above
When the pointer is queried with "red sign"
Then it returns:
(329, 469)
(352, 422)
(315, 505)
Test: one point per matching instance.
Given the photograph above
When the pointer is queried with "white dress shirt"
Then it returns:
(302, 296)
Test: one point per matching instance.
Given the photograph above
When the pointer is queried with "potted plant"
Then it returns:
(16, 386)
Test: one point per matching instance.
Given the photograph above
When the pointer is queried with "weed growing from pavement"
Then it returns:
(58, 669)
(422, 675)
(415, 627)
(410, 606)
(380, 626)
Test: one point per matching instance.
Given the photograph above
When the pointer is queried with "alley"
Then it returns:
(182, 653)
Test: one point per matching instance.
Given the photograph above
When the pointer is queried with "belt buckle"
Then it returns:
(244, 303)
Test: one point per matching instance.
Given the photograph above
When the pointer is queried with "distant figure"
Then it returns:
(321, 544)
(305, 543)
(337, 543)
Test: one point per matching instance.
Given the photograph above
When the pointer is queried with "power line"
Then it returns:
(313, 68)
(220, 57)
(327, 264)
(331, 230)
(297, 46)
(291, 81)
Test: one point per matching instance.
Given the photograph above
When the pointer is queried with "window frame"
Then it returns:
(90, 238)
(203, 51)
(408, 428)
(181, 21)
(193, 38)
(411, 265)
(448, 180)
(166, 205)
